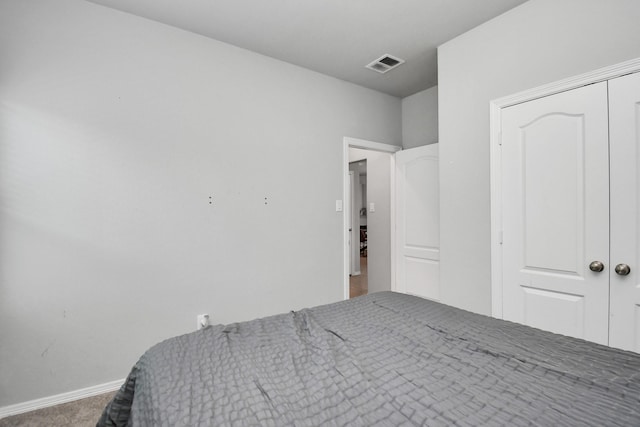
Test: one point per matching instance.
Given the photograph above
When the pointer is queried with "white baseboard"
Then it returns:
(45, 402)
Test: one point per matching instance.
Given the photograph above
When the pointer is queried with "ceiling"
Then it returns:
(333, 37)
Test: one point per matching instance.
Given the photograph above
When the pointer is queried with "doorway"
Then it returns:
(379, 196)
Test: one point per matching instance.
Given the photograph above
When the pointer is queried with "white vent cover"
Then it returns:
(385, 63)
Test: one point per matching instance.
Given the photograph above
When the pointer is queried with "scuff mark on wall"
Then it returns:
(46, 350)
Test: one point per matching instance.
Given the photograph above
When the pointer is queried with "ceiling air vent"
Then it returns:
(385, 63)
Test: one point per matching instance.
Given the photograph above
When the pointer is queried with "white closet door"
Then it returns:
(624, 120)
(556, 213)
(418, 222)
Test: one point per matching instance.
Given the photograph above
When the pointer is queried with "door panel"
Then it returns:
(422, 277)
(417, 222)
(569, 311)
(553, 193)
(555, 212)
(624, 119)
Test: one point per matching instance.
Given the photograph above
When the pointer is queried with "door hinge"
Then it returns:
(500, 235)
(500, 138)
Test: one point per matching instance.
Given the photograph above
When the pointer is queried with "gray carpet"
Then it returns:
(81, 413)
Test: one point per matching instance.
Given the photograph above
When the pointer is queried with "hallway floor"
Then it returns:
(358, 285)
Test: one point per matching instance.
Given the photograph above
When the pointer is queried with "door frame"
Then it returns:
(495, 124)
(354, 267)
(349, 142)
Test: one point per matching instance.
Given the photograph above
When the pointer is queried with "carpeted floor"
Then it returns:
(81, 413)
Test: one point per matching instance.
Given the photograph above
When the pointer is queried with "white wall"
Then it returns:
(114, 133)
(420, 118)
(378, 222)
(540, 42)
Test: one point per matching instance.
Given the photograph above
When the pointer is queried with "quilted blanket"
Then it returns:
(385, 359)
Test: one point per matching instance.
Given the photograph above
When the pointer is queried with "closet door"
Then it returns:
(624, 121)
(555, 207)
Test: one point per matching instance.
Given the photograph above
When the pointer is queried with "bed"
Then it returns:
(384, 359)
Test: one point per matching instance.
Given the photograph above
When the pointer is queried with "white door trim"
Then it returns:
(347, 143)
(495, 110)
(354, 239)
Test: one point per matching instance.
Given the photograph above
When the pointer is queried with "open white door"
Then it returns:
(417, 215)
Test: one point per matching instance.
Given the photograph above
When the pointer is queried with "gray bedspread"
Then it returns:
(384, 359)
